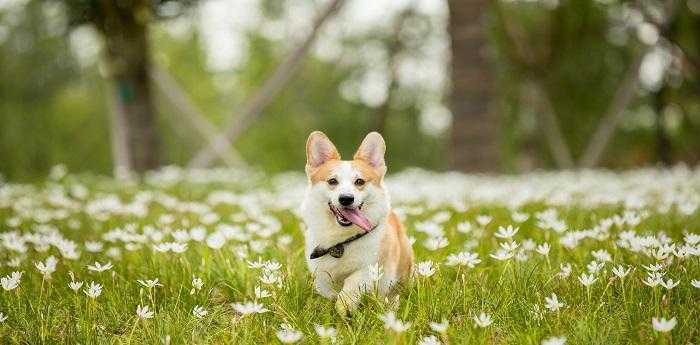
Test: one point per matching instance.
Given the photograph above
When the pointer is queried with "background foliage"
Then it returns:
(54, 106)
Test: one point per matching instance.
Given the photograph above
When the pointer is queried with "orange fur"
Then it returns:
(396, 253)
(322, 172)
(367, 172)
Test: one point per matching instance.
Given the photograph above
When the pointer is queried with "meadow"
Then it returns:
(217, 256)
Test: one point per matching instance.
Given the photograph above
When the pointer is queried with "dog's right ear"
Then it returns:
(319, 149)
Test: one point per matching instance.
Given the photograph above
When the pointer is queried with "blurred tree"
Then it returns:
(124, 26)
(474, 137)
(44, 99)
(560, 60)
(254, 108)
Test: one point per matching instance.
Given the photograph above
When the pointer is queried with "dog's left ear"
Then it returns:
(372, 150)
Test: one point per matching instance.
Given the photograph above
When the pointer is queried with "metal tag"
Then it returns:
(337, 251)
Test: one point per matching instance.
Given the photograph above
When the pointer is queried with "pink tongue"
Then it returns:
(354, 215)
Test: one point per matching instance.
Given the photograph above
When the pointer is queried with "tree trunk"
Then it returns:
(663, 142)
(125, 29)
(474, 138)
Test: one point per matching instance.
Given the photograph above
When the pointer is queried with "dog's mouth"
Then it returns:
(346, 216)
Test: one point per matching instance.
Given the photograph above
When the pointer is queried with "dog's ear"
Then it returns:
(319, 149)
(372, 150)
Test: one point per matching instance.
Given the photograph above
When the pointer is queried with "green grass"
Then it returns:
(46, 311)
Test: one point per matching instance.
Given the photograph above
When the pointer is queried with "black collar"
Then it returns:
(338, 249)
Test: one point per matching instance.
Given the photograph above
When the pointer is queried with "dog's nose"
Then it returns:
(346, 199)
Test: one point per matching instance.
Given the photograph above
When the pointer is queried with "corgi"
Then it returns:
(350, 227)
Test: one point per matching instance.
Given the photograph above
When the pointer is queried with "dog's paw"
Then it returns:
(342, 308)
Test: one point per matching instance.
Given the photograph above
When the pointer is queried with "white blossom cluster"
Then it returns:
(65, 228)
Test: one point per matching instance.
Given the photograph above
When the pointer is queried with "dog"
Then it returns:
(351, 230)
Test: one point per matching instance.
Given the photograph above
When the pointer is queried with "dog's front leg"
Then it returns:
(353, 287)
(323, 283)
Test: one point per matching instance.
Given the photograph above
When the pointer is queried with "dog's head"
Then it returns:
(351, 192)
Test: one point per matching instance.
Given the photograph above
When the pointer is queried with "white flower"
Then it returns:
(216, 240)
(326, 332)
(425, 268)
(284, 240)
(14, 262)
(250, 307)
(429, 340)
(149, 283)
(181, 235)
(114, 252)
(93, 246)
(620, 271)
(93, 290)
(391, 322)
(198, 233)
(483, 320)
(587, 280)
(521, 256)
(663, 325)
(271, 265)
(11, 281)
(261, 293)
(435, 243)
(143, 313)
(241, 251)
(197, 284)
(162, 247)
(654, 267)
(75, 286)
(199, 311)
(502, 255)
(97, 267)
(669, 284)
(692, 238)
(463, 259)
(602, 255)
(595, 266)
(529, 244)
(695, 283)
(259, 263)
(48, 267)
(543, 249)
(464, 227)
(519, 217)
(270, 278)
(440, 327)
(552, 303)
(554, 341)
(483, 220)
(564, 270)
(288, 335)
(178, 247)
(509, 246)
(652, 280)
(662, 253)
(3, 317)
(506, 232)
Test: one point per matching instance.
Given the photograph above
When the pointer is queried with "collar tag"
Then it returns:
(337, 251)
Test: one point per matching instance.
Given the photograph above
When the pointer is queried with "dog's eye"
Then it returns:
(333, 182)
(359, 182)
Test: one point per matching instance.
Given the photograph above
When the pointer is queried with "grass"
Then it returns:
(44, 310)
